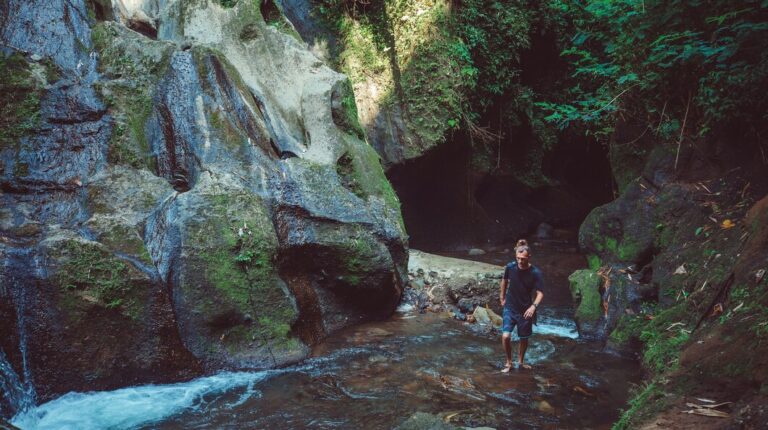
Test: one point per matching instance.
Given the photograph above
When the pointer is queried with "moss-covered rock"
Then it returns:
(629, 148)
(21, 83)
(20, 111)
(585, 291)
(622, 230)
(89, 272)
(174, 186)
(585, 285)
(99, 320)
(131, 66)
(233, 306)
(344, 109)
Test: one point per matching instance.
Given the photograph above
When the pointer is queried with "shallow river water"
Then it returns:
(376, 376)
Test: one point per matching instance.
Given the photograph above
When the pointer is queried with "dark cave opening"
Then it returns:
(446, 205)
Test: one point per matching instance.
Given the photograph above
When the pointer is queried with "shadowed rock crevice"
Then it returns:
(309, 324)
(177, 144)
(234, 103)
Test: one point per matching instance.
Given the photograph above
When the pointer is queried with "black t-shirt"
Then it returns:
(521, 285)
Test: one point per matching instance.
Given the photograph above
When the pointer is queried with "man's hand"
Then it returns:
(529, 312)
(501, 299)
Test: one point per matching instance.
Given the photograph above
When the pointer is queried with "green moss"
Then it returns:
(359, 254)
(664, 337)
(346, 171)
(21, 170)
(593, 261)
(274, 17)
(52, 72)
(646, 401)
(125, 240)
(408, 52)
(345, 110)
(93, 271)
(237, 251)
(435, 106)
(629, 249)
(585, 290)
(628, 328)
(665, 237)
(363, 171)
(228, 134)
(20, 110)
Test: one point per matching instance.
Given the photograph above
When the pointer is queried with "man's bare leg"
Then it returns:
(506, 342)
(521, 354)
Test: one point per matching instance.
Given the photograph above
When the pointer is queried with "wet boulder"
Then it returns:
(233, 308)
(102, 316)
(585, 288)
(623, 230)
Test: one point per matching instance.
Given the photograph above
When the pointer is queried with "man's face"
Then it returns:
(522, 255)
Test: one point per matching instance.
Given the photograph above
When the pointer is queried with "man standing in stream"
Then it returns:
(520, 280)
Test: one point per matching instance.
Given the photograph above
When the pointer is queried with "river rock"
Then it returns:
(455, 280)
(486, 316)
(545, 407)
(475, 252)
(466, 305)
(587, 298)
(425, 421)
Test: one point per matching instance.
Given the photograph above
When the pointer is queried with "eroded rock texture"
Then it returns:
(183, 190)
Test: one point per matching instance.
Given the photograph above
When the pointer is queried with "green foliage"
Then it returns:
(627, 329)
(645, 401)
(494, 33)
(444, 64)
(658, 59)
(664, 336)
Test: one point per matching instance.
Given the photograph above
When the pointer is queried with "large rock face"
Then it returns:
(189, 196)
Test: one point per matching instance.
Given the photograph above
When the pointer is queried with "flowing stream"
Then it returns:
(376, 376)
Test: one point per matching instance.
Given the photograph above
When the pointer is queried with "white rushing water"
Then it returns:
(131, 407)
(554, 326)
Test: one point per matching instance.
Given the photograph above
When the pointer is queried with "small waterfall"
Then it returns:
(18, 395)
(19, 392)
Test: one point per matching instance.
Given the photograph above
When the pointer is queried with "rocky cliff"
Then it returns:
(184, 189)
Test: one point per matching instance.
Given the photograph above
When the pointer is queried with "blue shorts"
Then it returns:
(512, 319)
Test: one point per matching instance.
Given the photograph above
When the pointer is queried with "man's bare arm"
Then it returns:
(536, 302)
(503, 292)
